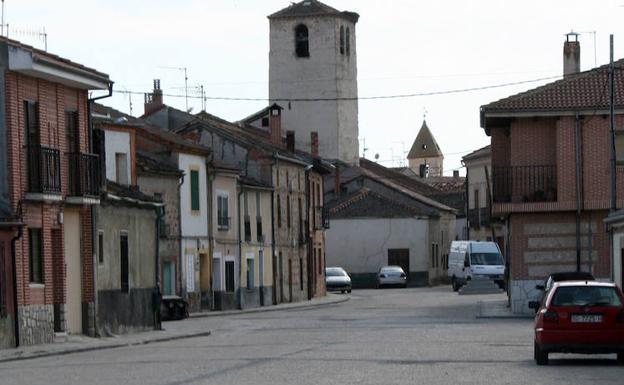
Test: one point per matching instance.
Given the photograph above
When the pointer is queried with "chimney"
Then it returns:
(571, 54)
(154, 100)
(275, 124)
(290, 141)
(314, 143)
(455, 174)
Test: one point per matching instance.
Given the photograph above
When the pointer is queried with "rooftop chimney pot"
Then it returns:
(571, 54)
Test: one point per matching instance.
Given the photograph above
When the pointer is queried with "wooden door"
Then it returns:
(73, 266)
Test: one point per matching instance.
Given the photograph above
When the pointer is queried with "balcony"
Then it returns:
(321, 218)
(83, 176)
(44, 173)
(479, 217)
(524, 184)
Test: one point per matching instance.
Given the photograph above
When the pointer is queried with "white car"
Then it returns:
(337, 279)
(391, 276)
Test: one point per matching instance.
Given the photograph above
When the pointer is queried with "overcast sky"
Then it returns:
(404, 46)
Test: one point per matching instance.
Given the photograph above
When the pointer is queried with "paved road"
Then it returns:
(394, 336)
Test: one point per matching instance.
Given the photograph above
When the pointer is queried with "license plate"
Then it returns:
(587, 318)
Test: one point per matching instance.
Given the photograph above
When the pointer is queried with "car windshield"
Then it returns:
(392, 269)
(335, 273)
(586, 296)
(486, 259)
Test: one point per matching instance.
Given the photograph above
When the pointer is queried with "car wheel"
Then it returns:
(342, 291)
(620, 358)
(541, 357)
(349, 291)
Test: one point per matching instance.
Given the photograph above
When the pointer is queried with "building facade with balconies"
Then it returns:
(551, 177)
(50, 181)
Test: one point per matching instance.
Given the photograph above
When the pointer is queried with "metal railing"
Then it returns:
(479, 217)
(83, 175)
(44, 169)
(223, 223)
(519, 184)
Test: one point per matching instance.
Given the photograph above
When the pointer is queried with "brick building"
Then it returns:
(551, 151)
(50, 180)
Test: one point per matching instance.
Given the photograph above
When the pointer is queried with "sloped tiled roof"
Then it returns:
(482, 152)
(446, 184)
(148, 163)
(398, 178)
(425, 145)
(588, 90)
(313, 8)
(366, 203)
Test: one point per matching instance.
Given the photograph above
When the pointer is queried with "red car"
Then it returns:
(580, 317)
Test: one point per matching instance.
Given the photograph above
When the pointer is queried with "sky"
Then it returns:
(404, 47)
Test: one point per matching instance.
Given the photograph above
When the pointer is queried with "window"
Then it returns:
(259, 235)
(229, 276)
(279, 211)
(265, 122)
(121, 168)
(348, 41)
(342, 40)
(195, 190)
(123, 259)
(619, 147)
(223, 219)
(71, 132)
(300, 273)
(247, 219)
(288, 211)
(101, 247)
(2, 281)
(302, 48)
(35, 259)
(250, 273)
(31, 123)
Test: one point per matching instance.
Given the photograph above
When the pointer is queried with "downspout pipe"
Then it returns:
(240, 249)
(579, 192)
(20, 232)
(93, 210)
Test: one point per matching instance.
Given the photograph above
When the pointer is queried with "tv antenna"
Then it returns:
(185, 82)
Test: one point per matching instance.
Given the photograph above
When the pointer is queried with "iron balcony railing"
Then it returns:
(84, 175)
(519, 184)
(44, 169)
(479, 217)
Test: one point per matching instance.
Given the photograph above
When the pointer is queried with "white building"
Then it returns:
(313, 56)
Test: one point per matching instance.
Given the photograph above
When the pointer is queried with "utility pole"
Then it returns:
(612, 123)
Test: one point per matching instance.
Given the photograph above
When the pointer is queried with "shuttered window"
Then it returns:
(124, 268)
(35, 259)
(194, 190)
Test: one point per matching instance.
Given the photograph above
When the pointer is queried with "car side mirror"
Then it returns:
(534, 305)
(540, 287)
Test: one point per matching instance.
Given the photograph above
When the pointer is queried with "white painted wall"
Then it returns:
(361, 245)
(116, 142)
(193, 224)
(325, 74)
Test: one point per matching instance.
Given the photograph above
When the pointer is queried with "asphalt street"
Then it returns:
(390, 336)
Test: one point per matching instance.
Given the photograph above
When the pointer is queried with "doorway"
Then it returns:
(73, 266)
(399, 257)
(168, 278)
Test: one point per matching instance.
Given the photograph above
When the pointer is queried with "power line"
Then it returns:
(377, 97)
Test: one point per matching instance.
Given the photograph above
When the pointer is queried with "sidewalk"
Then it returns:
(173, 330)
(497, 309)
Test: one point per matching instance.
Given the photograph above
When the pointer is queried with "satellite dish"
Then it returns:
(376, 156)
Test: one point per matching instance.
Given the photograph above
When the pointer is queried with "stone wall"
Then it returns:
(36, 323)
(7, 334)
(523, 291)
(121, 313)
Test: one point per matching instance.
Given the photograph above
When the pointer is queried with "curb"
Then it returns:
(104, 347)
(303, 305)
(479, 314)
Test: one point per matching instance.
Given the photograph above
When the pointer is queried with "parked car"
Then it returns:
(580, 317)
(558, 277)
(391, 276)
(468, 259)
(337, 279)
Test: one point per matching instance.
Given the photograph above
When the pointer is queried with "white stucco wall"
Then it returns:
(361, 245)
(116, 142)
(193, 223)
(325, 74)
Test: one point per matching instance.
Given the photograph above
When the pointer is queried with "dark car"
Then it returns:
(558, 277)
(584, 317)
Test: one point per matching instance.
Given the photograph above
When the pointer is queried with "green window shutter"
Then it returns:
(194, 190)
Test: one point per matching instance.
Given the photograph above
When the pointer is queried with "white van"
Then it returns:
(469, 259)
